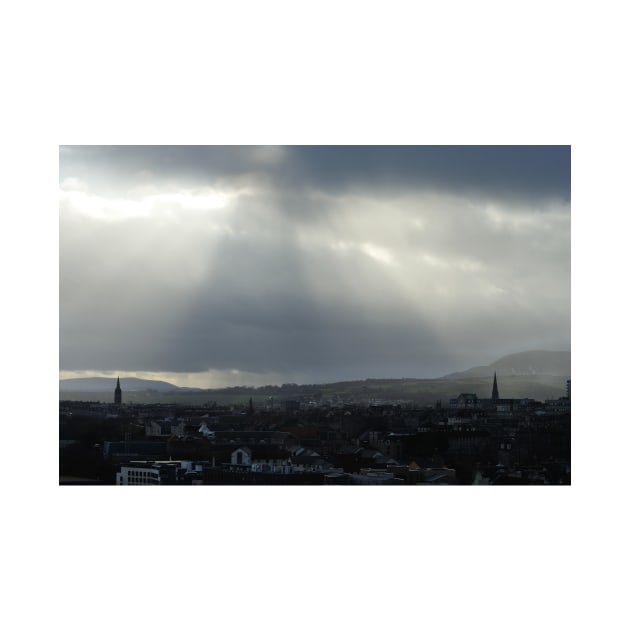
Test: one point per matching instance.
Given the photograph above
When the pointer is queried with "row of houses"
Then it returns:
(282, 472)
(508, 406)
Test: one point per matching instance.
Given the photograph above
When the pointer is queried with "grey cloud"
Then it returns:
(488, 171)
(527, 172)
(120, 169)
(324, 268)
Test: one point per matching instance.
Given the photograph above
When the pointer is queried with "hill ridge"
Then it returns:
(106, 383)
(538, 373)
(529, 363)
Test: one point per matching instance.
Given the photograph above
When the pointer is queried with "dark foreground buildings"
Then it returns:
(472, 441)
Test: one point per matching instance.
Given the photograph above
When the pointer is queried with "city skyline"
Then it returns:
(215, 266)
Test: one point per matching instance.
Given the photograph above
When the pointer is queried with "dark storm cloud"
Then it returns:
(489, 171)
(321, 262)
(527, 172)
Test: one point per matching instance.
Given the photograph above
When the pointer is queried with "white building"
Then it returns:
(155, 473)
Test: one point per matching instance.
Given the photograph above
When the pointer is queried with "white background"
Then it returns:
(314, 73)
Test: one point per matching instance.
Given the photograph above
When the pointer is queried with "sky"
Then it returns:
(211, 266)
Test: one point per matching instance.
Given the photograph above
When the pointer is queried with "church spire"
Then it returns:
(495, 389)
(118, 393)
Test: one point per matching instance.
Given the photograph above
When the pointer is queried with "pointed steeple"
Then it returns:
(495, 389)
(118, 393)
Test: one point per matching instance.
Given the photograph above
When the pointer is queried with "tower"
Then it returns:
(495, 389)
(118, 393)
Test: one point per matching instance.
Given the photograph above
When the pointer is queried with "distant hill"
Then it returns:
(540, 375)
(104, 384)
(536, 363)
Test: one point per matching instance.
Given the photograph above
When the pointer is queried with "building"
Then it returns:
(495, 389)
(560, 406)
(118, 393)
(157, 428)
(138, 474)
(159, 473)
(465, 401)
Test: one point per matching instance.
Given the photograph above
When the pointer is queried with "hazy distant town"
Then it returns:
(477, 437)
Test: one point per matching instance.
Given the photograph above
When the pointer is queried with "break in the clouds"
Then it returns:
(224, 265)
